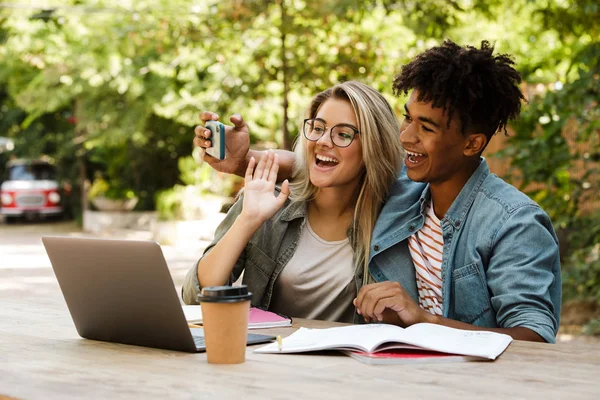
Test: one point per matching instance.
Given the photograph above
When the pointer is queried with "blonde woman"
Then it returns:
(303, 248)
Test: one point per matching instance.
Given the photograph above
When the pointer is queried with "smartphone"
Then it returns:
(217, 138)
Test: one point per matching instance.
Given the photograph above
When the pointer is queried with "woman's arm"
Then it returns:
(191, 287)
(259, 205)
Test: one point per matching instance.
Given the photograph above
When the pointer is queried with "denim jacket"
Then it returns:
(264, 257)
(501, 264)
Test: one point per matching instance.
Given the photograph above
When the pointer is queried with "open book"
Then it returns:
(257, 318)
(374, 338)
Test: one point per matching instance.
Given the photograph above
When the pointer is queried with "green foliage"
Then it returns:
(133, 81)
(582, 275)
(98, 188)
(565, 174)
(592, 328)
(204, 189)
(112, 190)
(169, 203)
(581, 268)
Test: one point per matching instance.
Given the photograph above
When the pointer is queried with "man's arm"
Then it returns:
(523, 277)
(517, 333)
(286, 162)
(237, 148)
(388, 302)
(523, 273)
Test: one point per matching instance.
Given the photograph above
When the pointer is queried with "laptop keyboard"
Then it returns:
(199, 341)
(253, 338)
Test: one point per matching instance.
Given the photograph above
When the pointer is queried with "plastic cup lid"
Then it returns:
(224, 294)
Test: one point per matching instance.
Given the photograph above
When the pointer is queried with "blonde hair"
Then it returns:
(382, 154)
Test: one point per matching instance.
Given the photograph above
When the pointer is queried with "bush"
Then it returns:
(187, 203)
(205, 192)
(592, 328)
(581, 268)
(113, 191)
(555, 155)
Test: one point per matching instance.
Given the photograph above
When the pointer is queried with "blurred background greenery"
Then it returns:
(112, 89)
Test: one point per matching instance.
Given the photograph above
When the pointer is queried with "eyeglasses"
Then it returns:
(342, 135)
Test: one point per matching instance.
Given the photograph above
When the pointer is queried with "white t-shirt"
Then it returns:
(318, 281)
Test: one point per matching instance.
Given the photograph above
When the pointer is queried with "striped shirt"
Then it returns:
(426, 248)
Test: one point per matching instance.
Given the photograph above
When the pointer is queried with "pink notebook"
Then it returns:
(257, 319)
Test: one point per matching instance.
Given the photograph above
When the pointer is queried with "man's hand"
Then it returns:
(388, 302)
(237, 144)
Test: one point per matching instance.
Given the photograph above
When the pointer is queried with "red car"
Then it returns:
(30, 188)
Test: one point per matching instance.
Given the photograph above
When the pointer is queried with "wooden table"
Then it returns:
(41, 356)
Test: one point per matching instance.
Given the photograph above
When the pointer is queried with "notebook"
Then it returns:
(377, 338)
(257, 318)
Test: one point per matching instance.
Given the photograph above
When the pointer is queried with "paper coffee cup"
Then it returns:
(225, 318)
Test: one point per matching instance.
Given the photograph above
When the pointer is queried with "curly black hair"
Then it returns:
(482, 88)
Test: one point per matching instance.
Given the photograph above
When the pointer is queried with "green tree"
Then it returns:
(111, 70)
(556, 149)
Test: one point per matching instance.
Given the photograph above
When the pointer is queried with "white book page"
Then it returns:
(357, 337)
(263, 325)
(450, 340)
(193, 314)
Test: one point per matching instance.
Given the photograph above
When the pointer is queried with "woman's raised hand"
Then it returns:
(260, 199)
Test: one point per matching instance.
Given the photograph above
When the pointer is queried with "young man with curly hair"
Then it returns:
(454, 244)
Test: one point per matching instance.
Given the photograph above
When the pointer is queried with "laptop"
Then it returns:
(121, 291)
